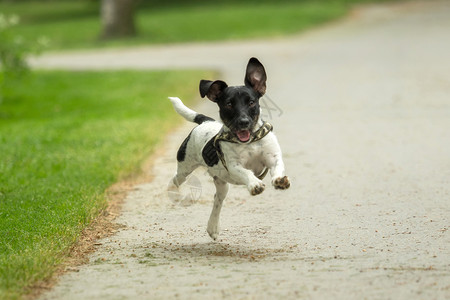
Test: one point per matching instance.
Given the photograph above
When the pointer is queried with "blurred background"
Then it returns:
(95, 23)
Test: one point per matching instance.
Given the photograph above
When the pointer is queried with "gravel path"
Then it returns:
(363, 116)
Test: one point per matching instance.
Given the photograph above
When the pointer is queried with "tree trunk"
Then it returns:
(117, 18)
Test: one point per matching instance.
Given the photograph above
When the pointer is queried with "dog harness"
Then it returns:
(212, 152)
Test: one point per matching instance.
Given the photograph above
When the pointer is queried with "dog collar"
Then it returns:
(228, 136)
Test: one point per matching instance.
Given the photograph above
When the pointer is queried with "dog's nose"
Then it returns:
(243, 122)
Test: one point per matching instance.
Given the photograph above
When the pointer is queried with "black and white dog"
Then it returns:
(238, 151)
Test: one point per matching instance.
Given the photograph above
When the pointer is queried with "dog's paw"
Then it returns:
(256, 188)
(213, 231)
(281, 183)
(173, 192)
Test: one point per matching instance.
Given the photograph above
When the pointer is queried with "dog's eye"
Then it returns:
(251, 103)
(229, 105)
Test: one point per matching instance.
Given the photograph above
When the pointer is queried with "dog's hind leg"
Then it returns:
(183, 171)
(221, 193)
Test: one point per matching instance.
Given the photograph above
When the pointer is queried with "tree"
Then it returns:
(117, 18)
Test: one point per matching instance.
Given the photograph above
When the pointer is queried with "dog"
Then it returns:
(239, 150)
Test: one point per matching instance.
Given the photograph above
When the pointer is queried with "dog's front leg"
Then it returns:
(246, 177)
(279, 180)
(221, 193)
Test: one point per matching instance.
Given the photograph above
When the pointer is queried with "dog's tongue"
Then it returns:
(243, 135)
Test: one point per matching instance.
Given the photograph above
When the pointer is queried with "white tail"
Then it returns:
(182, 109)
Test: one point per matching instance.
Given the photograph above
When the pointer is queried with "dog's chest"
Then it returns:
(250, 156)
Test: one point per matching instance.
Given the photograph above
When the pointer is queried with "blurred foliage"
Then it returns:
(14, 49)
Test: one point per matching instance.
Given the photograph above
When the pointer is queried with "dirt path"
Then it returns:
(363, 118)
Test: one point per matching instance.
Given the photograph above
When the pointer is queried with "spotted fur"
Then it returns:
(240, 115)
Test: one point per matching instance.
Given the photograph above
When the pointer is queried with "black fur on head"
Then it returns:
(239, 105)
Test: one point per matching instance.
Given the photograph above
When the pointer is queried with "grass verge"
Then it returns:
(76, 24)
(65, 137)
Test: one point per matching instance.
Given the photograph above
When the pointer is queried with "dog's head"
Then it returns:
(239, 105)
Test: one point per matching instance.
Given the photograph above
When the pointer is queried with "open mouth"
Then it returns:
(243, 135)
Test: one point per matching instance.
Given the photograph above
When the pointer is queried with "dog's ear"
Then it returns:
(255, 76)
(212, 89)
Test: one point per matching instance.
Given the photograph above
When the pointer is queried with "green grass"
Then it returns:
(64, 139)
(76, 24)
